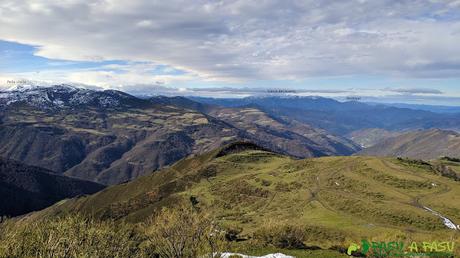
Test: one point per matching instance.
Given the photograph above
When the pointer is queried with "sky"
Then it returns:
(381, 50)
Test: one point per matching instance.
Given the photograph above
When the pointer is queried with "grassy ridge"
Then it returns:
(335, 200)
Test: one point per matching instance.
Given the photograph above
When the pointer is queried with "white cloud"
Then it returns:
(242, 40)
(414, 91)
(123, 77)
(145, 24)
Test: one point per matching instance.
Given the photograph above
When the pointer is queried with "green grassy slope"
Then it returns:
(338, 200)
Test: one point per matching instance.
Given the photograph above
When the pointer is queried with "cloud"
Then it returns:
(229, 92)
(157, 85)
(414, 99)
(252, 90)
(414, 90)
(116, 76)
(235, 41)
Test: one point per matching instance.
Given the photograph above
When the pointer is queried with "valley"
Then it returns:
(111, 137)
(24, 189)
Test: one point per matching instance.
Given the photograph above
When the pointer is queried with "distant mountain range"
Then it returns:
(111, 137)
(67, 96)
(343, 118)
(432, 108)
(423, 144)
(27, 188)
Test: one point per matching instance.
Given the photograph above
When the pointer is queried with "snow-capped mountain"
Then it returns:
(64, 95)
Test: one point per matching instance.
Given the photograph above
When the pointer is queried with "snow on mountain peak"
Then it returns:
(22, 87)
(35, 87)
(59, 96)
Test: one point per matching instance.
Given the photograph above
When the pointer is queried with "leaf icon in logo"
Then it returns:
(353, 247)
(366, 246)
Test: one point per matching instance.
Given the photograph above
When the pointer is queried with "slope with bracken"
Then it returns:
(306, 141)
(26, 188)
(111, 137)
(335, 199)
(108, 144)
(422, 144)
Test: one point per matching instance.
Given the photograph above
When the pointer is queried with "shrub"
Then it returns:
(185, 232)
(232, 234)
(446, 158)
(414, 162)
(266, 182)
(281, 235)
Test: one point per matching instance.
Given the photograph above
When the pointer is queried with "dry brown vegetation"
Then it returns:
(72, 236)
(184, 232)
(181, 232)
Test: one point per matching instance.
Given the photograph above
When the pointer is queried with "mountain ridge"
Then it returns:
(343, 118)
(68, 96)
(421, 144)
(56, 128)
